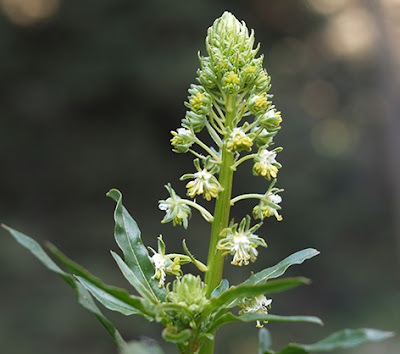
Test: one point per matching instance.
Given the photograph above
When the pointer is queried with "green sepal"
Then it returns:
(83, 296)
(127, 236)
(202, 267)
(170, 334)
(344, 339)
(280, 268)
(253, 317)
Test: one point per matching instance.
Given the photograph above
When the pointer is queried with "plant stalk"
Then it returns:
(215, 262)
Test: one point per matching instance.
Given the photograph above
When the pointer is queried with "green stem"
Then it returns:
(243, 159)
(215, 260)
(206, 148)
(247, 196)
(204, 212)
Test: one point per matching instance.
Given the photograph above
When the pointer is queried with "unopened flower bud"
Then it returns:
(262, 82)
(182, 140)
(195, 121)
(262, 137)
(271, 120)
(258, 104)
(231, 83)
(207, 77)
(199, 100)
(189, 291)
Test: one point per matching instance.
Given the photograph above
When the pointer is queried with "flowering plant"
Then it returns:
(232, 104)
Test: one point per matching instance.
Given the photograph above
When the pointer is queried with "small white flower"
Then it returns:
(159, 261)
(258, 304)
(238, 140)
(204, 183)
(163, 264)
(268, 206)
(274, 198)
(184, 131)
(175, 211)
(266, 164)
(241, 243)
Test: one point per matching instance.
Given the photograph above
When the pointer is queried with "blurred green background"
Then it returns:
(89, 92)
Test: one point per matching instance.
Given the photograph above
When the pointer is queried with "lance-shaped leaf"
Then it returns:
(264, 341)
(253, 317)
(147, 346)
(127, 236)
(83, 296)
(111, 302)
(230, 297)
(277, 270)
(102, 292)
(347, 338)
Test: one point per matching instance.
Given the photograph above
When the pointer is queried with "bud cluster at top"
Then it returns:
(232, 64)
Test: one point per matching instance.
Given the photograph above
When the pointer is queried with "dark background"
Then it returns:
(89, 92)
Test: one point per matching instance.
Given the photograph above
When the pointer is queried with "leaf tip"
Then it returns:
(114, 194)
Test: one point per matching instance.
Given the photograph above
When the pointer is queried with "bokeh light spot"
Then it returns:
(351, 33)
(331, 137)
(327, 7)
(28, 12)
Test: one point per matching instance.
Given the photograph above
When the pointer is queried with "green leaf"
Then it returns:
(293, 349)
(230, 297)
(253, 317)
(127, 236)
(142, 347)
(264, 341)
(223, 286)
(249, 317)
(83, 296)
(347, 338)
(132, 277)
(251, 290)
(109, 301)
(120, 295)
(277, 270)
